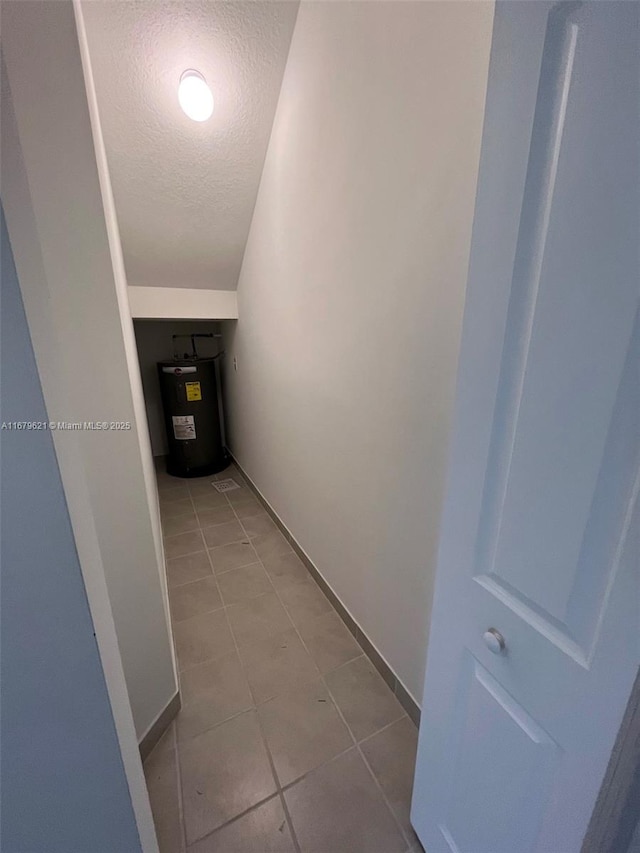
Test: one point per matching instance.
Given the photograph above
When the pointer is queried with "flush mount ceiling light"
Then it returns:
(195, 96)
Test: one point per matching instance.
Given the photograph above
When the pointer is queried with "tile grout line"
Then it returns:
(200, 529)
(178, 740)
(228, 505)
(337, 707)
(355, 743)
(383, 729)
(221, 722)
(386, 671)
(311, 580)
(183, 831)
(254, 708)
(259, 705)
(237, 817)
(283, 802)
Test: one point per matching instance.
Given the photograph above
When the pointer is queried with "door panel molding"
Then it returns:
(539, 536)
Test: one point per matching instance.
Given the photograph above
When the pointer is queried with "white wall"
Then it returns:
(154, 344)
(183, 303)
(351, 298)
(57, 727)
(65, 241)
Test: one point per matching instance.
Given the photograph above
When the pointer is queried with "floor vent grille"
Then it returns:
(225, 485)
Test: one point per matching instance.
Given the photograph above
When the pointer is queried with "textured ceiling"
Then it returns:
(184, 190)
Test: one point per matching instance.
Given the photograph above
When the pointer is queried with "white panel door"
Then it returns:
(540, 537)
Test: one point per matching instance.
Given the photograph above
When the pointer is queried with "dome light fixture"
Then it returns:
(195, 96)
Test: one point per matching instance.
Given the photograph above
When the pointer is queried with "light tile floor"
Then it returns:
(288, 738)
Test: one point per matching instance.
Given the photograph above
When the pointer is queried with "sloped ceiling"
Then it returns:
(185, 191)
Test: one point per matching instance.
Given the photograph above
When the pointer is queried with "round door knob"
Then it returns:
(494, 641)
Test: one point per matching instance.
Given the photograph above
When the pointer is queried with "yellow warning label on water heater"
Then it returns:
(193, 391)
